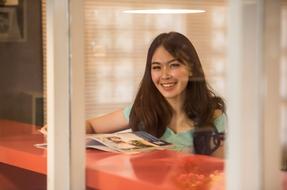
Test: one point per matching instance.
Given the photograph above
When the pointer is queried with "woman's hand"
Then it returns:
(44, 130)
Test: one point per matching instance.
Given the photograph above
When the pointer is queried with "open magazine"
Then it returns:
(127, 142)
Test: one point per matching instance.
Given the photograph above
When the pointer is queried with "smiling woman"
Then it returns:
(173, 100)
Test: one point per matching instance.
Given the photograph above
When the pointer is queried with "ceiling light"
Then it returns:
(164, 11)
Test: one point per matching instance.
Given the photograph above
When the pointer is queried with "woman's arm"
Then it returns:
(108, 123)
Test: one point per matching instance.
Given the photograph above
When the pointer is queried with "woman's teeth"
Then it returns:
(167, 85)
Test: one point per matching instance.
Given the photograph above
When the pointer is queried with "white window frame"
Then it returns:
(65, 100)
(253, 151)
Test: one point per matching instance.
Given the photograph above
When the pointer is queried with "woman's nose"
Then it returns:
(165, 73)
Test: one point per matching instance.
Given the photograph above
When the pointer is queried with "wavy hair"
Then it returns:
(151, 112)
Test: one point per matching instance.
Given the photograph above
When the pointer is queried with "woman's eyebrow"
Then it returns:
(155, 63)
(170, 61)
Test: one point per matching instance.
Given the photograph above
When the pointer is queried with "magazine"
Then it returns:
(127, 142)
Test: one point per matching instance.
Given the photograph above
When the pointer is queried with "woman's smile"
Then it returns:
(168, 85)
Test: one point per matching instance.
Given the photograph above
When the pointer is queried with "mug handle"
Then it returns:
(217, 139)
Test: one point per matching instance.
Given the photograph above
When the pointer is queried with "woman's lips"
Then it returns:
(168, 85)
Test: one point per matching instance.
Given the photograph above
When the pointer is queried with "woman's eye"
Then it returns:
(155, 67)
(174, 65)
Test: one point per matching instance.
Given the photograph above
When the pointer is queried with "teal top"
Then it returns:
(183, 141)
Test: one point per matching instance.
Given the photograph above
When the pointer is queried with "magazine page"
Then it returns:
(152, 139)
(92, 143)
(130, 141)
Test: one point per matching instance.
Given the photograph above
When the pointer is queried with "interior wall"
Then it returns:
(21, 67)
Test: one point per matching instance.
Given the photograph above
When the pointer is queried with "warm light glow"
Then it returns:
(164, 11)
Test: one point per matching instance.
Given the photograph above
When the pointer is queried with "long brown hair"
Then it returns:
(151, 112)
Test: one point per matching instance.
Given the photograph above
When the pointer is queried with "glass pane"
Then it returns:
(116, 44)
(22, 165)
(283, 85)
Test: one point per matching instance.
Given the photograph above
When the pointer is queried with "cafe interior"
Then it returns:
(62, 62)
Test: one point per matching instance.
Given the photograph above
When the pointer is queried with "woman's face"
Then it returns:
(169, 75)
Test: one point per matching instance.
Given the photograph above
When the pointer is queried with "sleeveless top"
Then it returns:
(183, 141)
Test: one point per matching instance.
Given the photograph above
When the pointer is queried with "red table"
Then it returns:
(155, 170)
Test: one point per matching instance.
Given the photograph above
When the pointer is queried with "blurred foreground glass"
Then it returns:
(283, 83)
(116, 44)
(21, 95)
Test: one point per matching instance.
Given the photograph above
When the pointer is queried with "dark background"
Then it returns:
(21, 68)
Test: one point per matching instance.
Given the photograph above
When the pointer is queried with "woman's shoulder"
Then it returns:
(219, 120)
